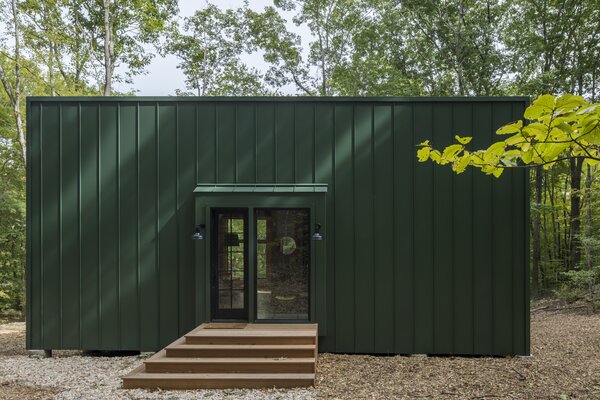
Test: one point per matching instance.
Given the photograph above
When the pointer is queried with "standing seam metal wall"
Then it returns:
(419, 260)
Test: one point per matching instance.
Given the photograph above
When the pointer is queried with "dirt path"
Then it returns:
(565, 364)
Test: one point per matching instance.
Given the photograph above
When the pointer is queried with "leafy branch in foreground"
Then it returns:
(559, 129)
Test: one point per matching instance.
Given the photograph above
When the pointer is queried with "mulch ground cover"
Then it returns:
(565, 344)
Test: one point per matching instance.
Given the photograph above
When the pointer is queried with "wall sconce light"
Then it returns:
(199, 232)
(317, 234)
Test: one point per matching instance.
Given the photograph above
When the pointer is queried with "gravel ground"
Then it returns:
(565, 365)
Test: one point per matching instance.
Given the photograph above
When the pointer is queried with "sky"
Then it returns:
(163, 77)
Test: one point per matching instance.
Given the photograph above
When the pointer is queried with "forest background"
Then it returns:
(316, 48)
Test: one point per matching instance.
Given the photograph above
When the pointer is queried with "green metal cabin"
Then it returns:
(150, 215)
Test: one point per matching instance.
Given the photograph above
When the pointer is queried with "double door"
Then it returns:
(260, 257)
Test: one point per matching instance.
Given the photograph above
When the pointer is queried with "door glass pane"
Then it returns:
(282, 263)
(230, 258)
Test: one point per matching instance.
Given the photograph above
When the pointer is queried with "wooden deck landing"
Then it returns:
(221, 355)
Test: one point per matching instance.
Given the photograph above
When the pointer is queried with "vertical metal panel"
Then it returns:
(226, 143)
(324, 172)
(502, 223)
(167, 222)
(147, 226)
(206, 143)
(34, 224)
(128, 211)
(246, 143)
(404, 163)
(109, 232)
(284, 143)
(483, 237)
(69, 235)
(50, 262)
(363, 228)
(418, 259)
(462, 239)
(89, 226)
(304, 139)
(383, 228)
(265, 143)
(344, 229)
(443, 249)
(186, 150)
(423, 283)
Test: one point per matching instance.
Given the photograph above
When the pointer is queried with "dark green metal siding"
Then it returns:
(419, 260)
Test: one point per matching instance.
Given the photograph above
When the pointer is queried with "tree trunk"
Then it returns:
(576, 165)
(546, 194)
(109, 49)
(555, 225)
(17, 89)
(539, 179)
(458, 50)
(565, 242)
(588, 218)
(51, 59)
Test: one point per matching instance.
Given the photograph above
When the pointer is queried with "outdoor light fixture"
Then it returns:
(317, 235)
(199, 232)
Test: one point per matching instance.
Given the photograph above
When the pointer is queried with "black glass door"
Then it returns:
(230, 264)
(282, 263)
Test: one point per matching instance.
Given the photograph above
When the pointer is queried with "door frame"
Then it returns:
(214, 296)
(311, 222)
(206, 201)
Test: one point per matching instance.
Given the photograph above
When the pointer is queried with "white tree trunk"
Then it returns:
(109, 49)
(16, 97)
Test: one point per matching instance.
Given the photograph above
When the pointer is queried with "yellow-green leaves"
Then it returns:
(451, 151)
(493, 154)
(450, 155)
(543, 105)
(535, 129)
(423, 153)
(460, 165)
(568, 102)
(513, 127)
(558, 128)
(463, 140)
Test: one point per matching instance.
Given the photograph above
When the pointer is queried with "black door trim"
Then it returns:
(255, 275)
(216, 312)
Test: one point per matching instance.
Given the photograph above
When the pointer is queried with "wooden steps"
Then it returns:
(257, 356)
(241, 350)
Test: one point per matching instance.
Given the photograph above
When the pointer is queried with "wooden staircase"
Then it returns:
(220, 356)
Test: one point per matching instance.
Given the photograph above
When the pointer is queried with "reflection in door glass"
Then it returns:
(282, 263)
(230, 260)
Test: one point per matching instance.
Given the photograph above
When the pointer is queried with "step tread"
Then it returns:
(242, 346)
(230, 360)
(233, 333)
(262, 327)
(142, 374)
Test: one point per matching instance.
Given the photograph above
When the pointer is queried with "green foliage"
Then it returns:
(133, 25)
(59, 36)
(67, 39)
(446, 48)
(581, 285)
(209, 50)
(332, 23)
(556, 46)
(12, 216)
(559, 128)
